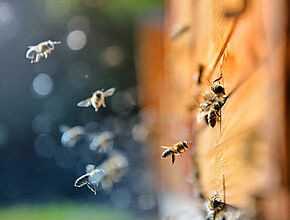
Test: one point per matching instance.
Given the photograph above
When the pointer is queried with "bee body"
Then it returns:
(114, 168)
(97, 100)
(212, 118)
(215, 208)
(102, 142)
(91, 179)
(43, 49)
(213, 102)
(167, 153)
(71, 136)
(218, 88)
(174, 150)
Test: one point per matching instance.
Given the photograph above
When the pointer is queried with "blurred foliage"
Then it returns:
(127, 8)
(62, 211)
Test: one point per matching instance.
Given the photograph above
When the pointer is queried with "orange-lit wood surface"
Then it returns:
(249, 49)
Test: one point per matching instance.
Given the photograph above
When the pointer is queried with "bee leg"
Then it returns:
(217, 113)
(173, 158)
(103, 103)
(92, 187)
(37, 58)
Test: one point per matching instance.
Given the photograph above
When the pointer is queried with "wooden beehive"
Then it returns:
(244, 40)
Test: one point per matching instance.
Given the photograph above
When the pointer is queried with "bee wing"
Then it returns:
(45, 48)
(85, 103)
(81, 181)
(92, 187)
(90, 168)
(109, 92)
(173, 159)
(201, 116)
(97, 176)
(31, 53)
(165, 147)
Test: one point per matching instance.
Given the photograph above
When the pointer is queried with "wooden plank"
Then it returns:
(248, 50)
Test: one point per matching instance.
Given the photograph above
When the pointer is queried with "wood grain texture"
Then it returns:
(249, 150)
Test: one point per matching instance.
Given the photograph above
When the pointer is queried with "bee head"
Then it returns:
(99, 94)
(218, 88)
(215, 203)
(50, 44)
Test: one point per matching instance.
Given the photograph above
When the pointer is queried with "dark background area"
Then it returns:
(30, 175)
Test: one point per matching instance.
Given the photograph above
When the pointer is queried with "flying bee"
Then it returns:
(72, 135)
(102, 142)
(114, 168)
(174, 150)
(34, 53)
(92, 178)
(97, 100)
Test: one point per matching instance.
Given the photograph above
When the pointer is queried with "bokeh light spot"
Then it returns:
(45, 145)
(42, 84)
(5, 14)
(76, 40)
(41, 124)
(113, 56)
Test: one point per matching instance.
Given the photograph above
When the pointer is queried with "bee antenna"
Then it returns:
(208, 82)
(218, 79)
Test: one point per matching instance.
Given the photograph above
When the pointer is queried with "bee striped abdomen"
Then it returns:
(211, 118)
(185, 144)
(166, 153)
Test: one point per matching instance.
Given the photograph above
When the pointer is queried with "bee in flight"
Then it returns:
(114, 168)
(34, 53)
(174, 150)
(72, 135)
(91, 179)
(97, 100)
(101, 142)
